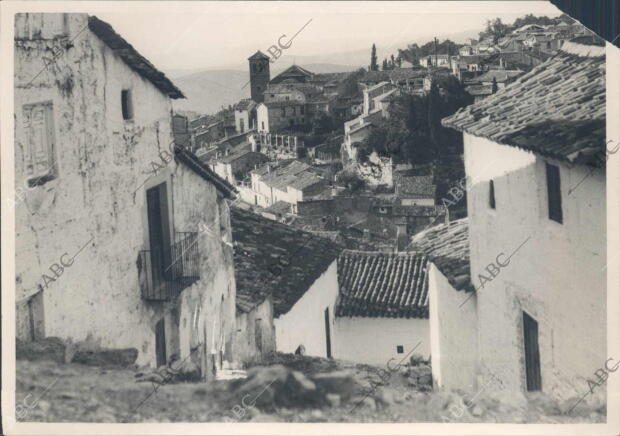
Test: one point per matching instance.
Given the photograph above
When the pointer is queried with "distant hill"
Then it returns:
(208, 91)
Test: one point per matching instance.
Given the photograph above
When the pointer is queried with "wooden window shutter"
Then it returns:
(40, 162)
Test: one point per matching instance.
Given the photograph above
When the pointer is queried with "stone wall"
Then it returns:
(254, 328)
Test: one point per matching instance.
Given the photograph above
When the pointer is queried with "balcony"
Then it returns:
(164, 273)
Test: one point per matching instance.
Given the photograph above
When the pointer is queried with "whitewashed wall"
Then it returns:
(101, 161)
(453, 333)
(556, 277)
(374, 340)
(305, 322)
(246, 347)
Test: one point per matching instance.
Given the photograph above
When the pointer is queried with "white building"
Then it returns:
(452, 304)
(382, 307)
(109, 251)
(534, 155)
(286, 288)
(245, 116)
(289, 181)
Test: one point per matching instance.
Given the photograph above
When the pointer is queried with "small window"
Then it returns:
(491, 194)
(301, 109)
(40, 147)
(126, 105)
(554, 194)
(400, 349)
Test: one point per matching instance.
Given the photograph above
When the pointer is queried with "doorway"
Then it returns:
(159, 232)
(160, 343)
(532, 353)
(328, 340)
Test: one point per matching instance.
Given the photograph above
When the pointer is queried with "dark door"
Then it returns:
(160, 342)
(159, 232)
(532, 355)
(258, 335)
(328, 339)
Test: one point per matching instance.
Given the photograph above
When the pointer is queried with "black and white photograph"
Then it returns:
(245, 217)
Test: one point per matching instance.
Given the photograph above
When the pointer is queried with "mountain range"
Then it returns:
(208, 90)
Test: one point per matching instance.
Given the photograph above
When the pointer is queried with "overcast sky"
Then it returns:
(211, 35)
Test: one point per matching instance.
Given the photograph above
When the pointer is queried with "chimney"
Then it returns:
(447, 216)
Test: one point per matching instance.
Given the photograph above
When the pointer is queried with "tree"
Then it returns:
(321, 124)
(496, 29)
(399, 61)
(351, 180)
(392, 62)
(373, 59)
(350, 86)
(384, 65)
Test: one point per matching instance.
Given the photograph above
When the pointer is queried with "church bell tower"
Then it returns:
(259, 75)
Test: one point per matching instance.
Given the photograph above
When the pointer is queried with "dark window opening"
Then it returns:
(491, 194)
(400, 349)
(126, 104)
(554, 194)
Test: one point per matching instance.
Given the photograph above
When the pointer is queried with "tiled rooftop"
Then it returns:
(377, 284)
(275, 259)
(557, 109)
(447, 246)
(245, 104)
(414, 186)
(132, 58)
(499, 75)
(418, 211)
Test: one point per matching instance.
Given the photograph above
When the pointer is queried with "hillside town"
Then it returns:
(444, 210)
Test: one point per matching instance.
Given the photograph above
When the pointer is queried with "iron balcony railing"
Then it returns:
(165, 272)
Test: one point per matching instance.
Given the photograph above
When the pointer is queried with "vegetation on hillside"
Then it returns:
(413, 131)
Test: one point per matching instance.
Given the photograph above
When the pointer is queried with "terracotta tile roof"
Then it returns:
(375, 76)
(195, 164)
(557, 109)
(447, 246)
(132, 58)
(419, 211)
(284, 103)
(414, 186)
(245, 104)
(377, 284)
(479, 89)
(399, 74)
(499, 75)
(279, 207)
(275, 259)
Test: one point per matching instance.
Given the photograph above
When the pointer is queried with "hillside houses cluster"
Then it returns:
(167, 264)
